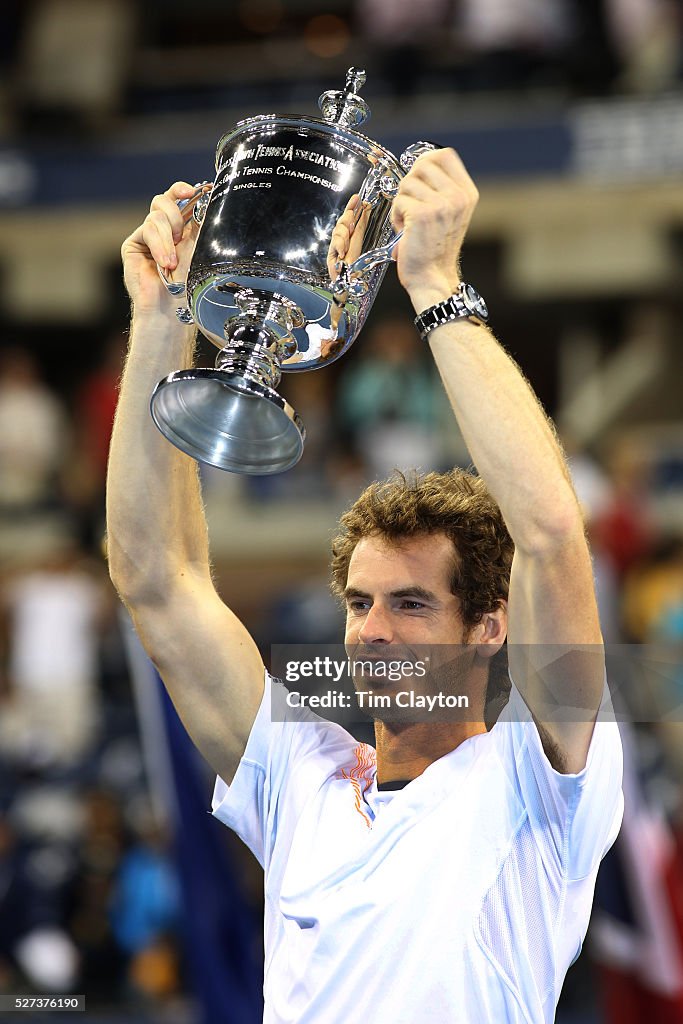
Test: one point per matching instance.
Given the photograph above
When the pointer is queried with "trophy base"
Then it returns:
(227, 421)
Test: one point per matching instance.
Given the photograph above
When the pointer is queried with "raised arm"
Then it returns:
(157, 535)
(553, 629)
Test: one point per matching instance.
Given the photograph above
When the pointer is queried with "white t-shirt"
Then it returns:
(461, 899)
(54, 643)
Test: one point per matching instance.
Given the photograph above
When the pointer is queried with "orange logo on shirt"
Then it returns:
(361, 777)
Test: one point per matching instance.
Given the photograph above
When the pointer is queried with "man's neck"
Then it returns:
(404, 751)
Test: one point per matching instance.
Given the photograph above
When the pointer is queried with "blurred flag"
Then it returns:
(637, 924)
(221, 931)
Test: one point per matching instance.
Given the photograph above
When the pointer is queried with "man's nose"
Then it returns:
(376, 628)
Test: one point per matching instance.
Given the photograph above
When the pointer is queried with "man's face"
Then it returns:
(399, 607)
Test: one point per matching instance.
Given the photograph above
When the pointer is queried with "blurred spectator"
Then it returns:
(593, 62)
(653, 615)
(100, 852)
(516, 43)
(668, 621)
(347, 471)
(94, 418)
(33, 449)
(400, 30)
(591, 483)
(623, 528)
(654, 594)
(54, 615)
(144, 912)
(594, 491)
(32, 939)
(304, 609)
(607, 592)
(312, 396)
(647, 36)
(666, 628)
(74, 61)
(391, 404)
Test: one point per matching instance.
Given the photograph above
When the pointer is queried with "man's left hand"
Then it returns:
(433, 207)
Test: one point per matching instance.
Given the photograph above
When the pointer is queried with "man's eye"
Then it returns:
(357, 606)
(412, 606)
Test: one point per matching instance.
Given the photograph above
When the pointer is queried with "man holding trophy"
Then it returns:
(448, 874)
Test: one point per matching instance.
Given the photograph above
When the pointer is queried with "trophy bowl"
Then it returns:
(266, 284)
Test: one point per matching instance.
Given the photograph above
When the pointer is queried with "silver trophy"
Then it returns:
(265, 284)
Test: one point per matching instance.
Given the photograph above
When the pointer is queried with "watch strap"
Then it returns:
(453, 308)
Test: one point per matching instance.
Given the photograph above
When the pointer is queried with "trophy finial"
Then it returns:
(345, 107)
(355, 80)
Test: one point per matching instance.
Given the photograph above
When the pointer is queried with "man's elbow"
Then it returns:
(136, 582)
(550, 531)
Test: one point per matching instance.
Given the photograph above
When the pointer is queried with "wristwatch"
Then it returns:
(466, 304)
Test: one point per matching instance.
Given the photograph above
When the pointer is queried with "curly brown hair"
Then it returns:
(456, 503)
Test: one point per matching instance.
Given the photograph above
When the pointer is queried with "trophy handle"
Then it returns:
(194, 206)
(353, 277)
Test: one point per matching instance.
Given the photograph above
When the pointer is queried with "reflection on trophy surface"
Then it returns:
(294, 240)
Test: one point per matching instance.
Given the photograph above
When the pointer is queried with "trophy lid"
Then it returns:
(345, 107)
(343, 112)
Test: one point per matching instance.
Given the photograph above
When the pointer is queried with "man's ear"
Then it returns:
(489, 634)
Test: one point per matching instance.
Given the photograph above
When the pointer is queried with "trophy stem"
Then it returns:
(232, 417)
(259, 337)
(253, 351)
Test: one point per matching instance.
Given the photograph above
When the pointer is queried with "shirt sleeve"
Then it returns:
(289, 754)
(580, 813)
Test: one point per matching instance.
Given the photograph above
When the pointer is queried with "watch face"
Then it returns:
(474, 302)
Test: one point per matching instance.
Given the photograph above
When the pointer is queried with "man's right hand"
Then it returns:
(163, 238)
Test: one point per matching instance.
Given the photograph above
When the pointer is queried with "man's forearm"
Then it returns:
(510, 439)
(155, 519)
(508, 435)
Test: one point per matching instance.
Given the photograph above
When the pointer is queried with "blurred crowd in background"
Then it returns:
(90, 895)
(72, 62)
